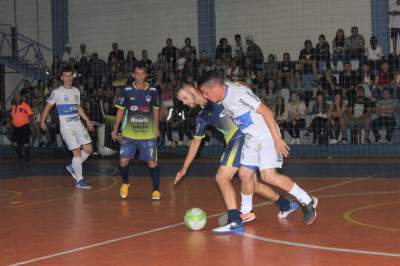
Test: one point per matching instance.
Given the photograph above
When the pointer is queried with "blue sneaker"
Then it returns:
(231, 228)
(82, 184)
(71, 170)
(293, 206)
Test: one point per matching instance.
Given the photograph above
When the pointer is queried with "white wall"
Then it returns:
(135, 25)
(284, 25)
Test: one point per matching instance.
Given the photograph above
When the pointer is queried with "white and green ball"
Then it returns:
(195, 219)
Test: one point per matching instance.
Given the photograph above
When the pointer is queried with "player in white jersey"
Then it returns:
(67, 101)
(264, 146)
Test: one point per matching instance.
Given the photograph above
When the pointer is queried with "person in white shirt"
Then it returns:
(264, 147)
(67, 101)
(394, 22)
(68, 54)
(374, 53)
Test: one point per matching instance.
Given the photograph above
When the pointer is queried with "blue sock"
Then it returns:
(234, 216)
(283, 203)
(155, 177)
(124, 172)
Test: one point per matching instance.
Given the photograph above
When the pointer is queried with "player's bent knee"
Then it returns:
(246, 175)
(88, 149)
(268, 175)
(124, 162)
(152, 164)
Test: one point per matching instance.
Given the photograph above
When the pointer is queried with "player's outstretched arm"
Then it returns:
(281, 147)
(86, 118)
(193, 149)
(44, 116)
(118, 119)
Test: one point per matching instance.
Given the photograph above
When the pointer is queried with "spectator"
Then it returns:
(359, 110)
(258, 84)
(270, 93)
(116, 69)
(169, 52)
(98, 68)
(254, 55)
(338, 120)
(21, 115)
(307, 60)
(166, 109)
(374, 54)
(385, 109)
(394, 23)
(239, 52)
(130, 61)
(281, 114)
(27, 92)
(192, 67)
(286, 71)
(319, 123)
(188, 49)
(68, 54)
(83, 52)
(56, 66)
(224, 50)
(232, 70)
(348, 79)
(328, 83)
(323, 54)
(117, 53)
(355, 45)
(204, 62)
(297, 112)
(147, 62)
(366, 76)
(338, 47)
(271, 68)
(384, 78)
(83, 70)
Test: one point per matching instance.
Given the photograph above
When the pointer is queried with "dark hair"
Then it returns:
(140, 65)
(209, 76)
(66, 69)
(237, 36)
(282, 109)
(322, 36)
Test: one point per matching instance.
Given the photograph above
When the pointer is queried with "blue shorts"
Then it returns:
(146, 147)
(232, 153)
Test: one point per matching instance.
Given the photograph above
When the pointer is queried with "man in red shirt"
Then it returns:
(21, 114)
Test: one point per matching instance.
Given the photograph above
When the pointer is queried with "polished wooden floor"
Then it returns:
(45, 221)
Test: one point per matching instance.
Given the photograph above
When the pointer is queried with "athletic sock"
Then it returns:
(283, 203)
(300, 194)
(234, 216)
(247, 203)
(155, 177)
(124, 172)
(84, 155)
(77, 165)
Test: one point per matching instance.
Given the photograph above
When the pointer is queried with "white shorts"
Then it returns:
(261, 154)
(75, 135)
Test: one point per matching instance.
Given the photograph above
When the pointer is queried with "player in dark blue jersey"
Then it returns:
(138, 111)
(213, 114)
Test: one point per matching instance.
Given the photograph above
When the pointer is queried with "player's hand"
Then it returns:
(43, 126)
(281, 147)
(114, 134)
(179, 175)
(89, 126)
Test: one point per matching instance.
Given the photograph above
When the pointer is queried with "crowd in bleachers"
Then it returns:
(343, 91)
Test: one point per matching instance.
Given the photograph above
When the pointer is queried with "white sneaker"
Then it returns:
(231, 228)
(180, 143)
(292, 141)
(167, 143)
(333, 141)
(297, 141)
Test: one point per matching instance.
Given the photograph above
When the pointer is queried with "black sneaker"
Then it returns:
(310, 211)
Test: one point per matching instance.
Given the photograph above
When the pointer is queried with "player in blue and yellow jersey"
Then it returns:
(213, 114)
(138, 110)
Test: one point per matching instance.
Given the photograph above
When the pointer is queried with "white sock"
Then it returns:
(77, 165)
(300, 194)
(247, 203)
(84, 156)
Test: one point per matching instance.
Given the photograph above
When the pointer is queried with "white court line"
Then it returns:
(318, 247)
(157, 229)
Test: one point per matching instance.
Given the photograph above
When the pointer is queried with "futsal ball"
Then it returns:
(195, 219)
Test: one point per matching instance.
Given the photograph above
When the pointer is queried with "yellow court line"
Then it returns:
(348, 216)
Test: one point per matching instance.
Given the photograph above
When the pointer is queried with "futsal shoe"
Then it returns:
(310, 211)
(156, 195)
(293, 206)
(231, 228)
(248, 217)
(124, 191)
(82, 184)
(71, 170)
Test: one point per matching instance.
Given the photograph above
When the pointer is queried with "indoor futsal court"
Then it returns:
(200, 132)
(45, 221)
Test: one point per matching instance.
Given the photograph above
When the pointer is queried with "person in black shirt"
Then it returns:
(117, 53)
(323, 54)
(169, 52)
(348, 79)
(360, 116)
(286, 70)
(328, 83)
(307, 59)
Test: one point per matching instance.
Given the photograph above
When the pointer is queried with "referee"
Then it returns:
(21, 114)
